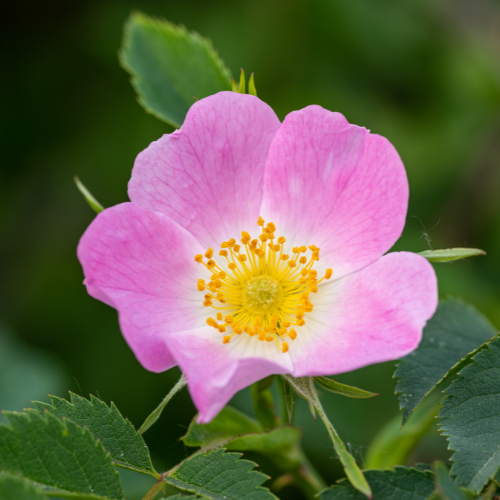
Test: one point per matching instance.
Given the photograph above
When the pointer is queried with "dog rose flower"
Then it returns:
(253, 247)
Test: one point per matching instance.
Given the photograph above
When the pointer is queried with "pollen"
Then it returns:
(257, 289)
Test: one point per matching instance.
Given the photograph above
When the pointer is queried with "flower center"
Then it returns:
(261, 294)
(260, 290)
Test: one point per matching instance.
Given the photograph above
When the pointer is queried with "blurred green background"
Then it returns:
(425, 74)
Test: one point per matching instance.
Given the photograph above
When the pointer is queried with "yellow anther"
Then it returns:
(313, 248)
(292, 263)
(305, 295)
(313, 272)
(328, 274)
(257, 322)
(207, 303)
(304, 272)
(223, 253)
(303, 260)
(292, 334)
(286, 324)
(281, 240)
(284, 256)
(212, 322)
(201, 285)
(254, 242)
(232, 266)
(315, 255)
(209, 253)
(226, 339)
(299, 315)
(300, 322)
(284, 347)
(247, 329)
(262, 336)
(296, 250)
(236, 248)
(303, 249)
(260, 253)
(219, 316)
(269, 338)
(242, 257)
(237, 330)
(271, 227)
(229, 319)
(222, 275)
(263, 237)
(260, 221)
(222, 328)
(198, 258)
(210, 263)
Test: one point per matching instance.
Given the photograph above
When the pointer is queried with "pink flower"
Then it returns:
(201, 275)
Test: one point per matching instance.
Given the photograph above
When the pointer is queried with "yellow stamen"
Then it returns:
(261, 291)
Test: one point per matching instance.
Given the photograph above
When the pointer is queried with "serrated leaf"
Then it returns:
(451, 254)
(471, 419)
(118, 436)
(58, 455)
(342, 389)
(220, 476)
(227, 425)
(451, 337)
(170, 67)
(155, 414)
(401, 484)
(17, 488)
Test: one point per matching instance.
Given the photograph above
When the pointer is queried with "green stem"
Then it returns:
(158, 486)
(307, 478)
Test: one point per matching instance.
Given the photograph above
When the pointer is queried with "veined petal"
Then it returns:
(336, 186)
(208, 176)
(376, 314)
(217, 371)
(141, 263)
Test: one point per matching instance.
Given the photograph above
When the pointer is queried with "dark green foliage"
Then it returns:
(471, 419)
(220, 476)
(452, 334)
(171, 68)
(228, 424)
(58, 455)
(118, 436)
(401, 484)
(16, 488)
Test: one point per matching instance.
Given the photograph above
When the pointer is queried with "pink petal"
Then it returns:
(334, 185)
(208, 175)
(376, 314)
(216, 371)
(142, 264)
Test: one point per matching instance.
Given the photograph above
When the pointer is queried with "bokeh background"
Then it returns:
(424, 73)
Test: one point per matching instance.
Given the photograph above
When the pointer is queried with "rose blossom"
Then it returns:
(252, 247)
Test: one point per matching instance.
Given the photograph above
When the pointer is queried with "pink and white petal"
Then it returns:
(208, 176)
(376, 314)
(142, 264)
(217, 371)
(334, 185)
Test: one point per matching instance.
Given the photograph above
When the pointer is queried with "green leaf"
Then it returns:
(451, 254)
(59, 455)
(445, 485)
(401, 484)
(170, 67)
(93, 203)
(345, 390)
(220, 476)
(263, 404)
(305, 387)
(17, 488)
(117, 435)
(227, 425)
(392, 445)
(155, 415)
(471, 419)
(251, 86)
(450, 338)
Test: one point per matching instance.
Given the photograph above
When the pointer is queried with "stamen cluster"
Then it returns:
(260, 290)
